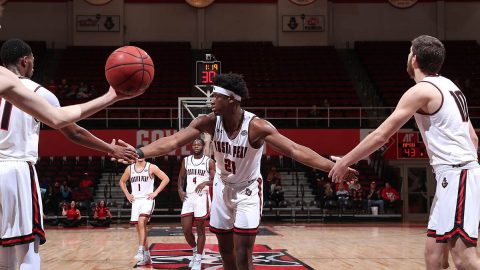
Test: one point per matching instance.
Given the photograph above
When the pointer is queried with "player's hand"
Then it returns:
(126, 145)
(151, 196)
(115, 96)
(130, 198)
(200, 187)
(124, 153)
(182, 195)
(341, 172)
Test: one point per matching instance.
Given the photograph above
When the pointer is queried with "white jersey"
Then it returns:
(19, 131)
(141, 181)
(446, 131)
(237, 161)
(197, 172)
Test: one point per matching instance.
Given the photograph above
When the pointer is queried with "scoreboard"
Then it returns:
(206, 71)
(410, 146)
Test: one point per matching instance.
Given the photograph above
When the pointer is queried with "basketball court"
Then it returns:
(289, 246)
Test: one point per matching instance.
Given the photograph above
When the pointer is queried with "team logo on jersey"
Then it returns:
(248, 192)
(177, 256)
(444, 183)
(243, 133)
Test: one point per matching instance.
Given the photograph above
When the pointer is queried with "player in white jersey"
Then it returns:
(197, 171)
(239, 138)
(141, 175)
(21, 214)
(441, 113)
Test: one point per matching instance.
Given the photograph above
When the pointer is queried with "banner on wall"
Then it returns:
(98, 23)
(405, 144)
(303, 23)
(323, 141)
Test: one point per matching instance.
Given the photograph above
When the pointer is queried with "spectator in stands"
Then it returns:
(64, 87)
(274, 178)
(83, 91)
(66, 191)
(329, 196)
(391, 197)
(277, 194)
(374, 198)
(87, 182)
(326, 104)
(314, 112)
(343, 196)
(72, 91)
(102, 216)
(73, 215)
(358, 195)
(92, 90)
(52, 87)
(54, 197)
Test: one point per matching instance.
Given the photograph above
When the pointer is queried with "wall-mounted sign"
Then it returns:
(98, 23)
(199, 3)
(98, 2)
(302, 2)
(402, 3)
(303, 23)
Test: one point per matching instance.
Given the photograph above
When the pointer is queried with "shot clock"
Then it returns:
(206, 71)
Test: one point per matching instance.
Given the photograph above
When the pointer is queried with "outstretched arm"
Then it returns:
(282, 144)
(409, 103)
(81, 136)
(167, 144)
(15, 92)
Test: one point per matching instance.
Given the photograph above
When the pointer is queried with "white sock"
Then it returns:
(198, 256)
(194, 249)
(28, 256)
(141, 248)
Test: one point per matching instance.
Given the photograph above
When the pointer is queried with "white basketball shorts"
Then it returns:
(455, 211)
(236, 208)
(197, 205)
(141, 207)
(21, 212)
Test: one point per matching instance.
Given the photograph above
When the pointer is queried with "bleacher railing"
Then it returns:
(283, 117)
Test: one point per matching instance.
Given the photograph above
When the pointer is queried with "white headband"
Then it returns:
(223, 91)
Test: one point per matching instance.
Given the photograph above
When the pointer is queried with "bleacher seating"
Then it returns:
(386, 63)
(172, 72)
(288, 76)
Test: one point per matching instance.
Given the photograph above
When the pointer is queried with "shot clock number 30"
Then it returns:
(206, 71)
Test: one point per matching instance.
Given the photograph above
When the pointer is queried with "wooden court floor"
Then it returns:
(321, 246)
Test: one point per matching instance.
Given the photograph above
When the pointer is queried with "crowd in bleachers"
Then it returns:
(359, 196)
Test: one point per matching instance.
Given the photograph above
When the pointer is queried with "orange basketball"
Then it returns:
(129, 70)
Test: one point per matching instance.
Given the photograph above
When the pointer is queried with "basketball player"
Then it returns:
(238, 138)
(199, 171)
(141, 175)
(21, 218)
(440, 110)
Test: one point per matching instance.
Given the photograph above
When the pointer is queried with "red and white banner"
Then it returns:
(323, 141)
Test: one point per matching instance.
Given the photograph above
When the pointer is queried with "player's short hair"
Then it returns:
(14, 49)
(430, 54)
(233, 82)
(201, 140)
